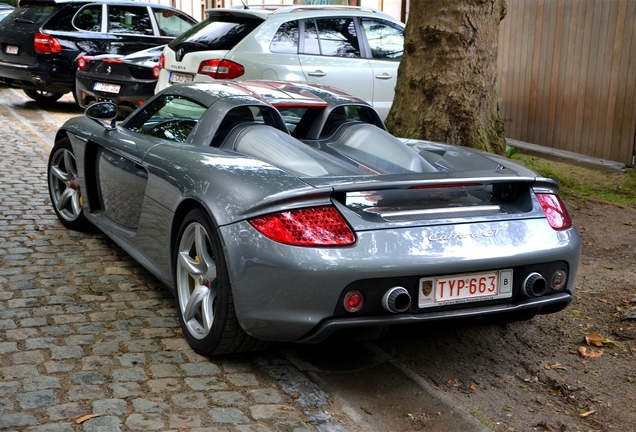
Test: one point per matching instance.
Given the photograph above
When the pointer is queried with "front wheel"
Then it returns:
(64, 189)
(42, 96)
(203, 291)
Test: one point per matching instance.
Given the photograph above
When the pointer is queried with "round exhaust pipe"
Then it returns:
(37, 80)
(396, 300)
(535, 285)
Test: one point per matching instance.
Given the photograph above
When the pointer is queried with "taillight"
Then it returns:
(311, 226)
(162, 62)
(155, 71)
(82, 61)
(112, 60)
(221, 69)
(46, 44)
(555, 211)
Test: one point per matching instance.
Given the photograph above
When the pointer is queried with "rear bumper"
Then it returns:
(290, 293)
(51, 76)
(548, 304)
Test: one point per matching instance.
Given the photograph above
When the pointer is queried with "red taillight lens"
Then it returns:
(221, 69)
(162, 62)
(46, 44)
(82, 61)
(112, 60)
(155, 71)
(555, 211)
(312, 226)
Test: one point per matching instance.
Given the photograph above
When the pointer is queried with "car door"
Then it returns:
(385, 43)
(330, 54)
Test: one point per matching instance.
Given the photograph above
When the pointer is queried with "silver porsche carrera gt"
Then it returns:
(280, 211)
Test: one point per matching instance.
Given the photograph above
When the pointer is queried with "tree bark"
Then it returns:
(446, 88)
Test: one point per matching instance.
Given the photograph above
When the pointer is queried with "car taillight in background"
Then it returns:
(162, 61)
(311, 226)
(82, 61)
(221, 69)
(46, 44)
(555, 211)
(155, 71)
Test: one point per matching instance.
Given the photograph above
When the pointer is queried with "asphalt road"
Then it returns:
(86, 331)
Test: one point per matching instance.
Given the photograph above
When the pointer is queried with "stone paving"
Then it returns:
(89, 341)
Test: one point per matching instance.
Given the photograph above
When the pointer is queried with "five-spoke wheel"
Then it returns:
(204, 295)
(66, 195)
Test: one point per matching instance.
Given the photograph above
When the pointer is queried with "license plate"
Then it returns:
(11, 49)
(107, 88)
(466, 288)
(178, 78)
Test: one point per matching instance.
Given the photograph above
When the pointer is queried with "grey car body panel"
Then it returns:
(291, 293)
(293, 289)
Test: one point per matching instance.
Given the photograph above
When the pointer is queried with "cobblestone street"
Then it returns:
(89, 341)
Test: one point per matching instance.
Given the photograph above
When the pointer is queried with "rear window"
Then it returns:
(216, 33)
(35, 13)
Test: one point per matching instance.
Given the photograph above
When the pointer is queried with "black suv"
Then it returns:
(41, 40)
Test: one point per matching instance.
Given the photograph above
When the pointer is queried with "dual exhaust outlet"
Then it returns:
(398, 299)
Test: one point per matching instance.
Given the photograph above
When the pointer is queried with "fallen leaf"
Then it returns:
(594, 339)
(609, 343)
(603, 300)
(585, 414)
(366, 410)
(629, 223)
(473, 386)
(295, 396)
(609, 267)
(591, 354)
(554, 366)
(86, 417)
(454, 382)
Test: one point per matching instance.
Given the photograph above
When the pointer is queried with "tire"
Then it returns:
(65, 193)
(203, 292)
(42, 96)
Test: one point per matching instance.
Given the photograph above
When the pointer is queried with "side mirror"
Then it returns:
(102, 111)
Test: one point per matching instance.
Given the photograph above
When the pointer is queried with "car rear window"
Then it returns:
(36, 13)
(216, 33)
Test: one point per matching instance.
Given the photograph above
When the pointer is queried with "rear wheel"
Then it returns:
(64, 189)
(42, 96)
(204, 295)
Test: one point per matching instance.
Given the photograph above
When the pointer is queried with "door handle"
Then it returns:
(384, 76)
(318, 74)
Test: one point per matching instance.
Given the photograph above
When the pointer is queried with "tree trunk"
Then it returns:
(446, 87)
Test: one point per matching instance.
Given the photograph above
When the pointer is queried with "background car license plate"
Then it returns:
(108, 88)
(447, 290)
(177, 78)
(12, 49)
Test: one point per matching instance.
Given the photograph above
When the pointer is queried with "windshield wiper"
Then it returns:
(23, 21)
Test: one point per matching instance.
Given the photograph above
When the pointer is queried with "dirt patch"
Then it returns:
(543, 375)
